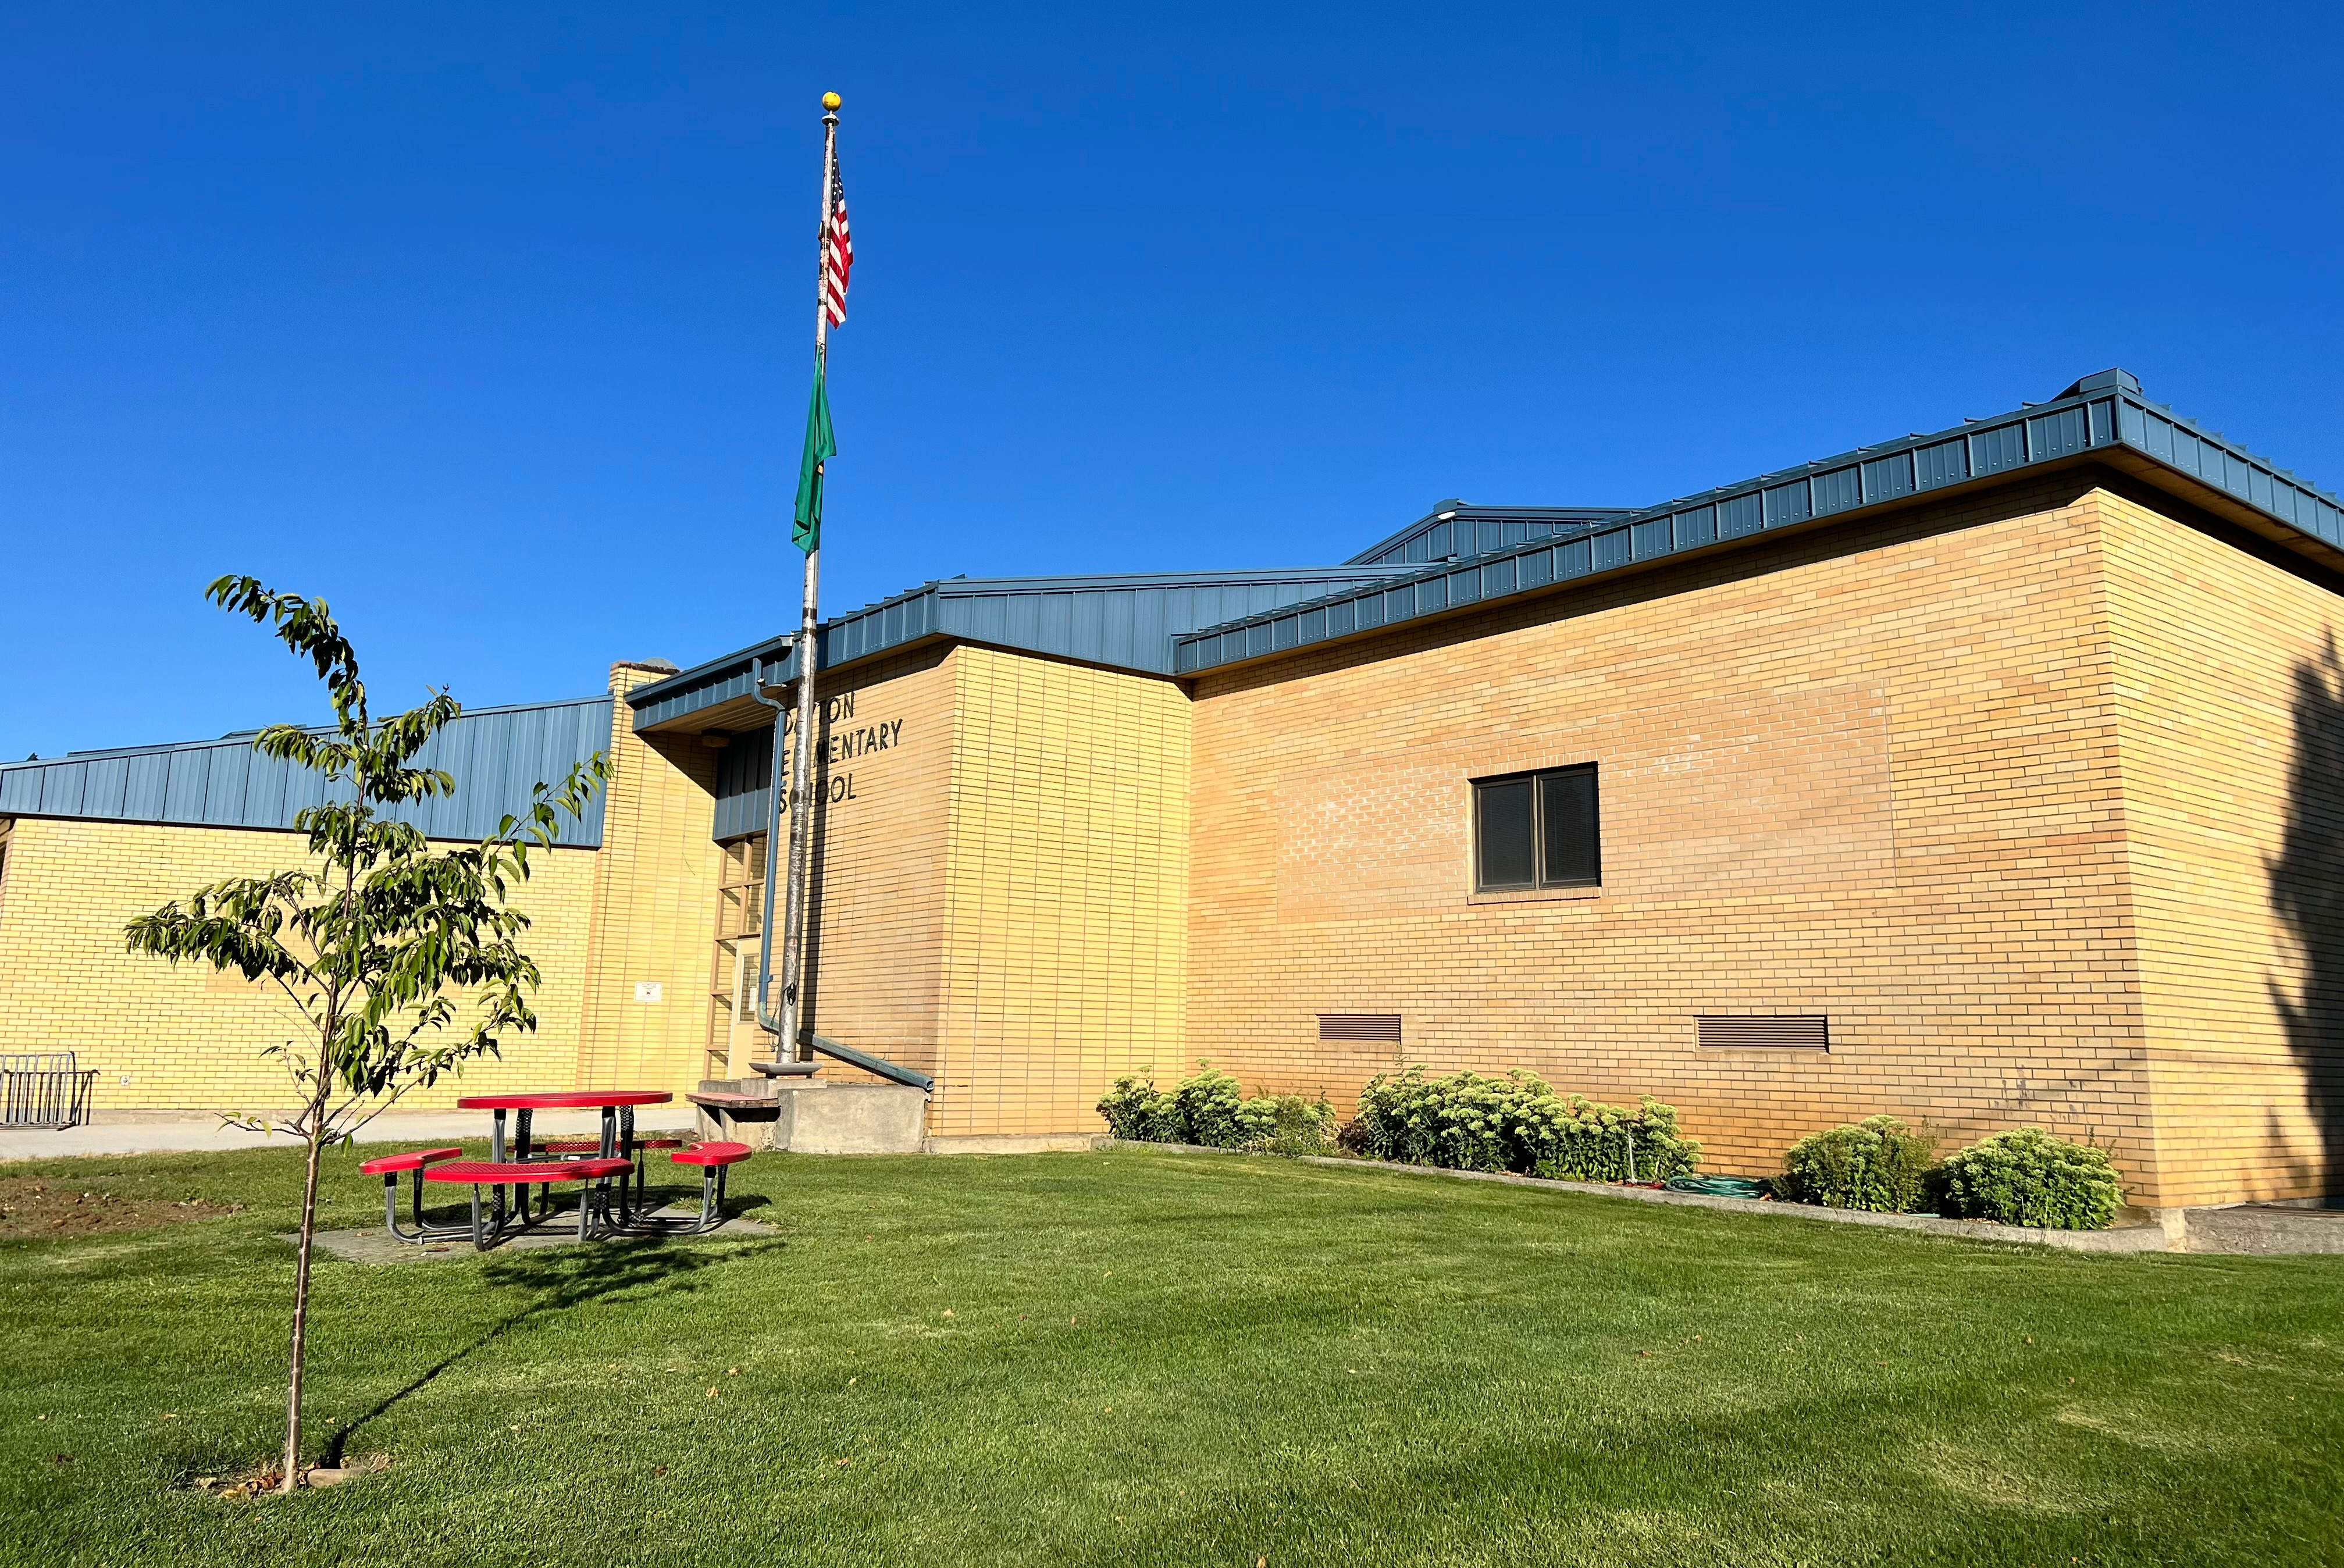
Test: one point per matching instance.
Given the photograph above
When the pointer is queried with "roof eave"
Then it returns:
(2102, 419)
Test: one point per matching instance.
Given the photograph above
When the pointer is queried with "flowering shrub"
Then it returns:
(1209, 1108)
(2026, 1177)
(1876, 1165)
(1518, 1123)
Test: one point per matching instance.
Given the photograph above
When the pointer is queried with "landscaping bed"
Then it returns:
(1139, 1357)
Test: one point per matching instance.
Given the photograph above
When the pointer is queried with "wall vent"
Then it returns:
(1384, 1026)
(1792, 1032)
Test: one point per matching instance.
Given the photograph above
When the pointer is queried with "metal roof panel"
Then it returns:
(2105, 413)
(498, 755)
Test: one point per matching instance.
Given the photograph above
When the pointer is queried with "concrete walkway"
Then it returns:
(392, 1127)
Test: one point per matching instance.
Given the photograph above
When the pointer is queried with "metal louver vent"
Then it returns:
(1795, 1032)
(1382, 1027)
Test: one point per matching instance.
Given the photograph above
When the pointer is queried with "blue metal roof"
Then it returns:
(1455, 528)
(2103, 416)
(497, 755)
(1127, 622)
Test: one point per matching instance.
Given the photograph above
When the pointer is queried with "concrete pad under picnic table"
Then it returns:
(376, 1246)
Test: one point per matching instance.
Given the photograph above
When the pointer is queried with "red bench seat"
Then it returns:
(594, 1145)
(413, 1160)
(712, 1152)
(713, 1157)
(526, 1174)
(534, 1173)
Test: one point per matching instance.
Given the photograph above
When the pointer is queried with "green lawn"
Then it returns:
(1135, 1358)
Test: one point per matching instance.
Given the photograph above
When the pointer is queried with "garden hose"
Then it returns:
(1714, 1186)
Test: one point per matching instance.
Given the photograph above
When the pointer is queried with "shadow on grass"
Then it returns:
(559, 1282)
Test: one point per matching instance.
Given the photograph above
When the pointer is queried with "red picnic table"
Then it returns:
(617, 1139)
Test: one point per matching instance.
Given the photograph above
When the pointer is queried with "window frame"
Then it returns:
(1536, 779)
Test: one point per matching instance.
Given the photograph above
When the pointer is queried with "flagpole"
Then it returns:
(801, 800)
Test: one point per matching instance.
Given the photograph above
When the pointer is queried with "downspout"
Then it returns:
(765, 1019)
(894, 1072)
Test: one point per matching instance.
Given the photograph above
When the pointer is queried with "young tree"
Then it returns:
(380, 937)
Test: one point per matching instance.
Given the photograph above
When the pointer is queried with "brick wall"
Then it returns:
(654, 907)
(191, 1038)
(2230, 697)
(1067, 885)
(876, 957)
(1870, 772)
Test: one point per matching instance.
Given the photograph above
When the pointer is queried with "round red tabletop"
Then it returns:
(566, 1099)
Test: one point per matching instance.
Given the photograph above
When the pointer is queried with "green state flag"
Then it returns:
(820, 446)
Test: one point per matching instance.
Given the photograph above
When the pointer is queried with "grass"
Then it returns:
(1141, 1357)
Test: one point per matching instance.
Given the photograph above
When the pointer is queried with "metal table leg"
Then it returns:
(521, 1194)
(496, 1156)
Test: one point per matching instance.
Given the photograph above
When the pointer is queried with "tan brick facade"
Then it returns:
(2230, 703)
(2034, 793)
(653, 903)
(1067, 881)
(1882, 773)
(168, 1038)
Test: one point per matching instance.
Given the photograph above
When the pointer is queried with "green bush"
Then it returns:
(1136, 1109)
(1210, 1108)
(1878, 1164)
(1289, 1124)
(1518, 1123)
(1209, 1105)
(2026, 1177)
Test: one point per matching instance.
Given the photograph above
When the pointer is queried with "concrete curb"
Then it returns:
(2136, 1238)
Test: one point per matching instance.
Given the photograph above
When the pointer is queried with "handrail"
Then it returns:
(894, 1072)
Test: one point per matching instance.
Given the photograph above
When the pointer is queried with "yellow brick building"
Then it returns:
(1987, 778)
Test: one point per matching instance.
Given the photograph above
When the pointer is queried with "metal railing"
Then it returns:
(44, 1089)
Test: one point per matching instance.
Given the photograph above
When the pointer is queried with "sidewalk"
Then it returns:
(392, 1127)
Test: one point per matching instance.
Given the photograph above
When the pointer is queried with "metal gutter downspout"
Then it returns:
(879, 1066)
(765, 1019)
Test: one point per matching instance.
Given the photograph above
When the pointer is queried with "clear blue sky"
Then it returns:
(491, 324)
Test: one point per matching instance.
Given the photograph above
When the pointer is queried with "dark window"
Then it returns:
(1537, 830)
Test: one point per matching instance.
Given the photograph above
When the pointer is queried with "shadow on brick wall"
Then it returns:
(2307, 886)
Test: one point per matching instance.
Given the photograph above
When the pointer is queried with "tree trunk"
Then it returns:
(301, 1296)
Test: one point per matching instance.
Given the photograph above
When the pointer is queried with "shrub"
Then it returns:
(1582, 1140)
(1289, 1124)
(1518, 1123)
(1209, 1108)
(2026, 1177)
(1877, 1164)
(1136, 1109)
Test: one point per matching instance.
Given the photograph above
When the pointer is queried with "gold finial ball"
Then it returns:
(830, 100)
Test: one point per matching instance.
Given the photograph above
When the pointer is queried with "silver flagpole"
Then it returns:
(802, 769)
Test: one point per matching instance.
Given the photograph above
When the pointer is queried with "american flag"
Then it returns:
(837, 252)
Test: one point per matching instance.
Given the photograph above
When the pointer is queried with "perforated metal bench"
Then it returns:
(539, 1173)
(567, 1147)
(389, 1167)
(714, 1158)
